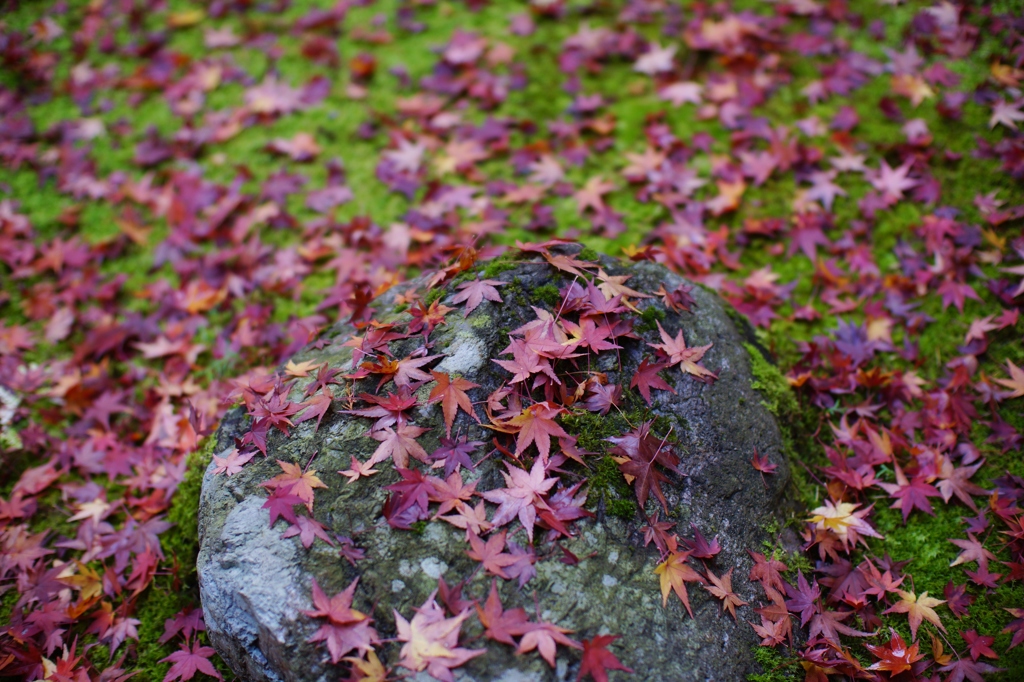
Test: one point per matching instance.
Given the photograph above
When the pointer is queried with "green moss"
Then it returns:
(169, 594)
(433, 295)
(513, 292)
(547, 294)
(98, 655)
(419, 527)
(592, 430)
(608, 486)
(399, 309)
(771, 383)
(650, 318)
(480, 321)
(777, 666)
(7, 601)
(183, 540)
(589, 254)
(497, 266)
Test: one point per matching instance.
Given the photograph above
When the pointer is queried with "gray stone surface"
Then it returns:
(254, 584)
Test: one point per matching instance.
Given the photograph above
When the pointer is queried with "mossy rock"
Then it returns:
(254, 584)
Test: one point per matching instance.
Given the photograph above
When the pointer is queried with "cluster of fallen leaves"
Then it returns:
(547, 376)
(107, 383)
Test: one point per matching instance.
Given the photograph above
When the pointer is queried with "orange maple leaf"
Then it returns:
(452, 395)
(293, 480)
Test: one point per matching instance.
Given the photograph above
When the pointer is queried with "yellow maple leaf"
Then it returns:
(675, 573)
(918, 609)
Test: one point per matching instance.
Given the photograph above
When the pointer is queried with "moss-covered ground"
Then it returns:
(133, 246)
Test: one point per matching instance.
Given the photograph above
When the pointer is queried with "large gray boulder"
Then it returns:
(255, 584)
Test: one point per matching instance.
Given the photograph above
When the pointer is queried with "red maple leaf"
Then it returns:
(979, 645)
(316, 406)
(451, 493)
(803, 599)
(186, 662)
(966, 669)
(413, 489)
(721, 588)
(643, 450)
(972, 550)
(597, 660)
(346, 629)
(761, 464)
(536, 424)
(295, 481)
(544, 637)
(491, 555)
(308, 530)
(910, 494)
(768, 572)
(474, 292)
(1015, 626)
(646, 378)
(687, 358)
(455, 453)
(895, 656)
(282, 504)
(186, 621)
(521, 496)
(502, 625)
(958, 599)
(426, 318)
(526, 362)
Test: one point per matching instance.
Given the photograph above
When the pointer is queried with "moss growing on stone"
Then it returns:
(589, 254)
(433, 295)
(777, 666)
(592, 431)
(184, 508)
(169, 594)
(548, 295)
(649, 319)
(771, 383)
(608, 486)
(496, 267)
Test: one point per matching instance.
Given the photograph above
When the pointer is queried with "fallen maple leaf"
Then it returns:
(544, 637)
(295, 481)
(491, 555)
(187, 662)
(894, 657)
(231, 464)
(358, 470)
(398, 444)
(643, 450)
(722, 589)
(537, 425)
(431, 641)
(687, 358)
(473, 293)
(674, 573)
(346, 628)
(844, 520)
(597, 660)
(452, 395)
(918, 609)
(1016, 381)
(646, 378)
(972, 550)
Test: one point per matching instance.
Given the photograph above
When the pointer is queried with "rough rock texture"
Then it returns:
(254, 584)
